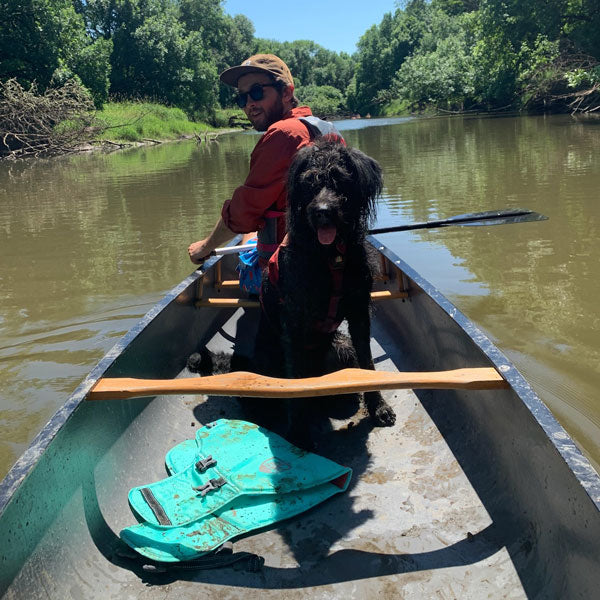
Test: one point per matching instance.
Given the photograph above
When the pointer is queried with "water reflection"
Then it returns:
(541, 306)
(88, 243)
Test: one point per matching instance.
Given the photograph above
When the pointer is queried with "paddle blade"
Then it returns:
(491, 217)
(503, 220)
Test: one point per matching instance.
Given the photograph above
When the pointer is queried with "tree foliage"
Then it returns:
(484, 54)
(325, 100)
(450, 54)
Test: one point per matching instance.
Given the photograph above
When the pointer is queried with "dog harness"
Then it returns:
(267, 236)
(337, 262)
(233, 478)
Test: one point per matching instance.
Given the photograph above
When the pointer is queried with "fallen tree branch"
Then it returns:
(33, 124)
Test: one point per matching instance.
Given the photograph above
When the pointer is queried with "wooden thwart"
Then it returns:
(246, 303)
(346, 381)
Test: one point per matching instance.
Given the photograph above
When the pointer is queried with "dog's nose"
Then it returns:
(322, 213)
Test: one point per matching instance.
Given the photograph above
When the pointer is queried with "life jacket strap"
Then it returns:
(155, 507)
(267, 236)
(337, 263)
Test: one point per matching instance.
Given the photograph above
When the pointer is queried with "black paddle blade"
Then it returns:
(524, 218)
(492, 217)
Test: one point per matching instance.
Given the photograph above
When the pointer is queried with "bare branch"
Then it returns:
(55, 122)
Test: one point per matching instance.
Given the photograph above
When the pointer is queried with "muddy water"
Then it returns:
(89, 243)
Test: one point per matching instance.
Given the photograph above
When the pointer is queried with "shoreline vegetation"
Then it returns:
(72, 71)
(65, 121)
(134, 123)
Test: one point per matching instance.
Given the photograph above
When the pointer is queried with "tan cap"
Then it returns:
(259, 63)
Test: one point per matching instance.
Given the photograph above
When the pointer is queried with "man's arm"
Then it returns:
(200, 251)
(265, 184)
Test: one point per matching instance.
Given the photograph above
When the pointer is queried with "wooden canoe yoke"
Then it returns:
(346, 381)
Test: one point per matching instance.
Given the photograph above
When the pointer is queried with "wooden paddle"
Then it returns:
(346, 381)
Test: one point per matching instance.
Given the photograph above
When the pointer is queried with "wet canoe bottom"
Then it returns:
(410, 525)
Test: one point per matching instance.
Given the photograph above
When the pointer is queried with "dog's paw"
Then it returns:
(199, 363)
(380, 411)
(384, 415)
(209, 363)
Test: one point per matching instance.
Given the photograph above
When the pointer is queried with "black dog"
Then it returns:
(321, 275)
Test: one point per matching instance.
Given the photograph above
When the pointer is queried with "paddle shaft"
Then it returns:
(492, 217)
(232, 249)
(346, 381)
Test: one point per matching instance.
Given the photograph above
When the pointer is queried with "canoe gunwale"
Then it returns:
(30, 457)
(577, 463)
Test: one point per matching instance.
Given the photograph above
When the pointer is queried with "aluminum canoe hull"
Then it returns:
(472, 494)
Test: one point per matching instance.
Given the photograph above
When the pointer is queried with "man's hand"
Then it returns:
(199, 251)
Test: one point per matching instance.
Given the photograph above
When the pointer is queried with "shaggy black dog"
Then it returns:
(321, 275)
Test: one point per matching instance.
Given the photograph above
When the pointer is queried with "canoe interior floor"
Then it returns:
(410, 524)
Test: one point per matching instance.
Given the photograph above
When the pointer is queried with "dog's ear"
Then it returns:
(368, 176)
(295, 207)
(299, 165)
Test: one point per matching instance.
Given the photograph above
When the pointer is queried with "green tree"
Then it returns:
(517, 37)
(382, 50)
(442, 76)
(46, 41)
(30, 40)
(324, 100)
(332, 68)
(91, 63)
(160, 48)
(455, 7)
(239, 46)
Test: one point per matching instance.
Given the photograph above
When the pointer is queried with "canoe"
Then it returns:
(473, 493)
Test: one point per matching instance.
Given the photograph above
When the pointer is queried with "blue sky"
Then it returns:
(336, 25)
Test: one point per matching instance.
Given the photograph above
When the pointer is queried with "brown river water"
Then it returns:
(89, 243)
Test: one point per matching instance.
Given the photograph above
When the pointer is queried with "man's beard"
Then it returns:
(265, 119)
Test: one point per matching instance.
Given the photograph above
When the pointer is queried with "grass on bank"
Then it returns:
(138, 121)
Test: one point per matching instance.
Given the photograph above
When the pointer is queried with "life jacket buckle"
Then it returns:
(205, 463)
(210, 485)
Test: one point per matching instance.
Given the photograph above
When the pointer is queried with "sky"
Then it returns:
(334, 24)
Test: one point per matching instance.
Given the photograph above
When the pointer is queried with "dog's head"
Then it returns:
(332, 191)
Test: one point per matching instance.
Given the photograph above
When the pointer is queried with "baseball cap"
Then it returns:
(259, 63)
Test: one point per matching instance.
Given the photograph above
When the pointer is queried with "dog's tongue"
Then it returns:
(326, 235)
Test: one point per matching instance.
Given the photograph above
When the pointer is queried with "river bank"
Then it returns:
(125, 124)
(36, 126)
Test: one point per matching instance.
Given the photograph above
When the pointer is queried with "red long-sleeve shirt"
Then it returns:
(265, 186)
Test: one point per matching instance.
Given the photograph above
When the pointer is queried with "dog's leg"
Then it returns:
(359, 325)
(296, 363)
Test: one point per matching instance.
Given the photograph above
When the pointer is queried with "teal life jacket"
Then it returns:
(234, 477)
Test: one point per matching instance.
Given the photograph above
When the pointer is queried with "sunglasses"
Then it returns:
(255, 92)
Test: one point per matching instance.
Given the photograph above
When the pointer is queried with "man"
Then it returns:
(266, 94)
